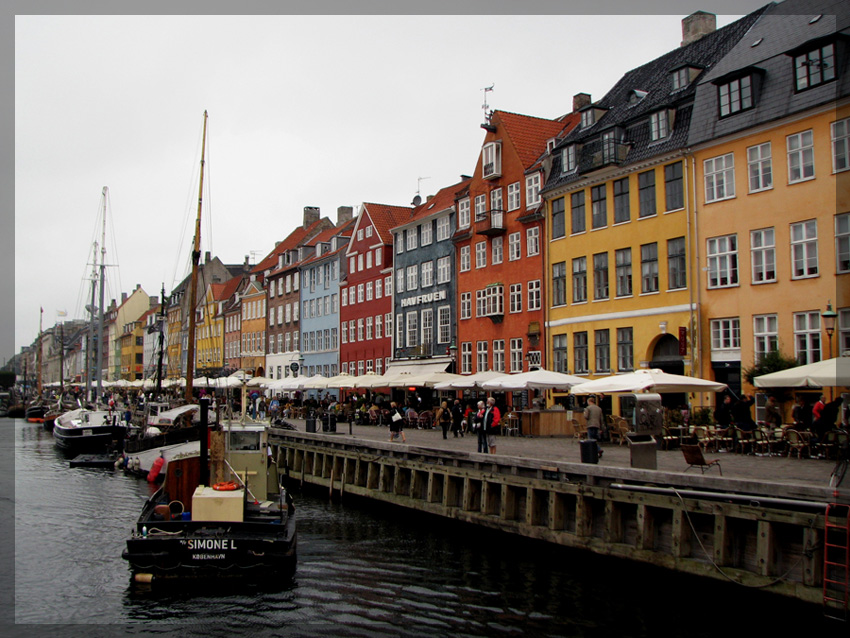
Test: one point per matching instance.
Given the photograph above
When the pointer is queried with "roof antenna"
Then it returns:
(487, 113)
(417, 199)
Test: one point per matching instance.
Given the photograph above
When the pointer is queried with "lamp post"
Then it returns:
(829, 316)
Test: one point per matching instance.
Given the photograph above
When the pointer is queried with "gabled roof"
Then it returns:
(443, 200)
(297, 237)
(326, 237)
(384, 217)
(529, 134)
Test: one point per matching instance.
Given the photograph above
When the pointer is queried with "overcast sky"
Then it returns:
(303, 111)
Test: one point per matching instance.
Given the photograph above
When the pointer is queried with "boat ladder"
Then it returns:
(836, 561)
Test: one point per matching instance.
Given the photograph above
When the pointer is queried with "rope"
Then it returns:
(806, 553)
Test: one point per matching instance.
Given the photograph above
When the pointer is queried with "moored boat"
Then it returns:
(84, 430)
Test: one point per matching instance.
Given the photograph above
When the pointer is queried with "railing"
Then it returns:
(491, 222)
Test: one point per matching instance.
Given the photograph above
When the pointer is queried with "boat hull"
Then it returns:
(81, 431)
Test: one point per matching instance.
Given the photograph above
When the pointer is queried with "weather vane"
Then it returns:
(487, 89)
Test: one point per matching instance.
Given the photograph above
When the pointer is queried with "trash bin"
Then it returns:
(325, 427)
(644, 452)
(589, 451)
(311, 424)
(331, 422)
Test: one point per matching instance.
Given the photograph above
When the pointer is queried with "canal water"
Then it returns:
(363, 570)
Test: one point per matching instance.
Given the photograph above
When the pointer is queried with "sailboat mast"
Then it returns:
(61, 360)
(99, 363)
(193, 288)
(161, 339)
(39, 353)
(92, 347)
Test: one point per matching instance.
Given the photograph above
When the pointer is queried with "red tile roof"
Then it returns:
(445, 198)
(293, 240)
(529, 134)
(384, 217)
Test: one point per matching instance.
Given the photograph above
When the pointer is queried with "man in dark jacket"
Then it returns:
(457, 418)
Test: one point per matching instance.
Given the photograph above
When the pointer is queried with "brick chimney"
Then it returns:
(697, 25)
(123, 297)
(344, 215)
(580, 100)
(311, 216)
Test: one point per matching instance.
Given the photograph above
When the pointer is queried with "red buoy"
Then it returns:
(155, 469)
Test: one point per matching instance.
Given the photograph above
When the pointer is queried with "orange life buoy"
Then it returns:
(229, 486)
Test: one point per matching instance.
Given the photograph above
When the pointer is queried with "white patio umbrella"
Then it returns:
(371, 380)
(647, 379)
(311, 383)
(822, 374)
(468, 380)
(424, 380)
(340, 381)
(258, 382)
(241, 375)
(539, 379)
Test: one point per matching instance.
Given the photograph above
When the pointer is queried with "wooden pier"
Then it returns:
(757, 534)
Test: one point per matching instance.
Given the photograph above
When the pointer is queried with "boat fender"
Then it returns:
(228, 486)
(119, 462)
(156, 468)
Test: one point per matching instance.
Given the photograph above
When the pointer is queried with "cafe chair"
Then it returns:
(796, 443)
(694, 458)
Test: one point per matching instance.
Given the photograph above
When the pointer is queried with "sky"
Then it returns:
(322, 110)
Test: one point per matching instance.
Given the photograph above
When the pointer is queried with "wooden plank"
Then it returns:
(765, 549)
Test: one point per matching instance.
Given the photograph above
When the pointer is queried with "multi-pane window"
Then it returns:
(388, 286)
(481, 352)
(427, 326)
(722, 261)
(674, 191)
(602, 350)
(444, 270)
(625, 349)
(559, 353)
(480, 303)
(465, 305)
(579, 279)
(568, 158)
(763, 252)
(807, 337)
(532, 241)
(496, 199)
(646, 194)
(412, 329)
(622, 210)
(658, 125)
(494, 298)
(558, 221)
(465, 258)
(801, 156)
(498, 355)
(814, 67)
(369, 321)
(649, 268)
(399, 281)
(491, 160)
(598, 207)
(600, 276)
(379, 325)
(466, 357)
(444, 324)
(497, 247)
(427, 234)
(578, 218)
(735, 96)
(760, 167)
(379, 289)
(534, 300)
(676, 264)
(516, 298)
(580, 352)
(514, 246)
(842, 242)
(532, 189)
(513, 196)
(410, 234)
(680, 78)
(516, 355)
(481, 254)
(427, 274)
(388, 325)
(841, 145)
(623, 263)
(726, 334)
(804, 249)
(480, 207)
(443, 228)
(360, 329)
(843, 330)
(559, 284)
(766, 335)
(719, 177)
(463, 213)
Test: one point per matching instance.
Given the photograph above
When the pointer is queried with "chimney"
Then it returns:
(344, 215)
(311, 216)
(207, 257)
(697, 25)
(123, 297)
(246, 267)
(154, 302)
(580, 100)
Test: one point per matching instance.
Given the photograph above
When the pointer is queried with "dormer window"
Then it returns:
(491, 160)
(568, 158)
(636, 96)
(550, 144)
(683, 76)
(588, 118)
(814, 66)
(659, 125)
(738, 91)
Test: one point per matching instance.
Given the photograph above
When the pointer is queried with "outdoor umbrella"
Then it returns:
(424, 380)
(372, 380)
(649, 379)
(258, 381)
(340, 381)
(822, 374)
(539, 379)
(468, 381)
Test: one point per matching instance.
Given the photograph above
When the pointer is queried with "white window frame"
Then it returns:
(532, 241)
(719, 178)
(444, 229)
(801, 156)
(807, 337)
(411, 240)
(515, 296)
(765, 335)
(466, 357)
(515, 246)
(842, 243)
(659, 125)
(427, 329)
(804, 249)
(514, 196)
(726, 334)
(532, 189)
(466, 305)
(763, 255)
(427, 275)
(760, 168)
(399, 280)
(491, 160)
(497, 248)
(516, 354)
(444, 324)
(535, 301)
(481, 254)
(427, 234)
(568, 159)
(412, 277)
(463, 213)
(498, 355)
(840, 133)
(465, 258)
(412, 331)
(722, 258)
(444, 270)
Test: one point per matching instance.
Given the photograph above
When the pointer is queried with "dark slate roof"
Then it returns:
(781, 29)
(655, 79)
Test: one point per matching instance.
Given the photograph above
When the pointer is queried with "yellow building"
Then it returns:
(209, 332)
(771, 152)
(132, 347)
(254, 327)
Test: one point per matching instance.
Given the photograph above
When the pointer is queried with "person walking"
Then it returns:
(477, 419)
(492, 416)
(396, 423)
(593, 417)
(457, 418)
(444, 418)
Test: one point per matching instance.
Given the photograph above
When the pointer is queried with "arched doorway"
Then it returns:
(666, 357)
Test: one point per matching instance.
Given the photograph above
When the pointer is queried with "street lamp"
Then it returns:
(829, 316)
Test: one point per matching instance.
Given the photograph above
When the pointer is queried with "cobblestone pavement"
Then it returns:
(780, 469)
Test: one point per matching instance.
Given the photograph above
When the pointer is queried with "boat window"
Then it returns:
(244, 441)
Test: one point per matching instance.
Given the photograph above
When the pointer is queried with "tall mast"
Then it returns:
(161, 343)
(61, 360)
(99, 363)
(38, 353)
(193, 288)
(92, 347)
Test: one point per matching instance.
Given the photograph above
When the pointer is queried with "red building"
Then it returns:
(500, 249)
(366, 294)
